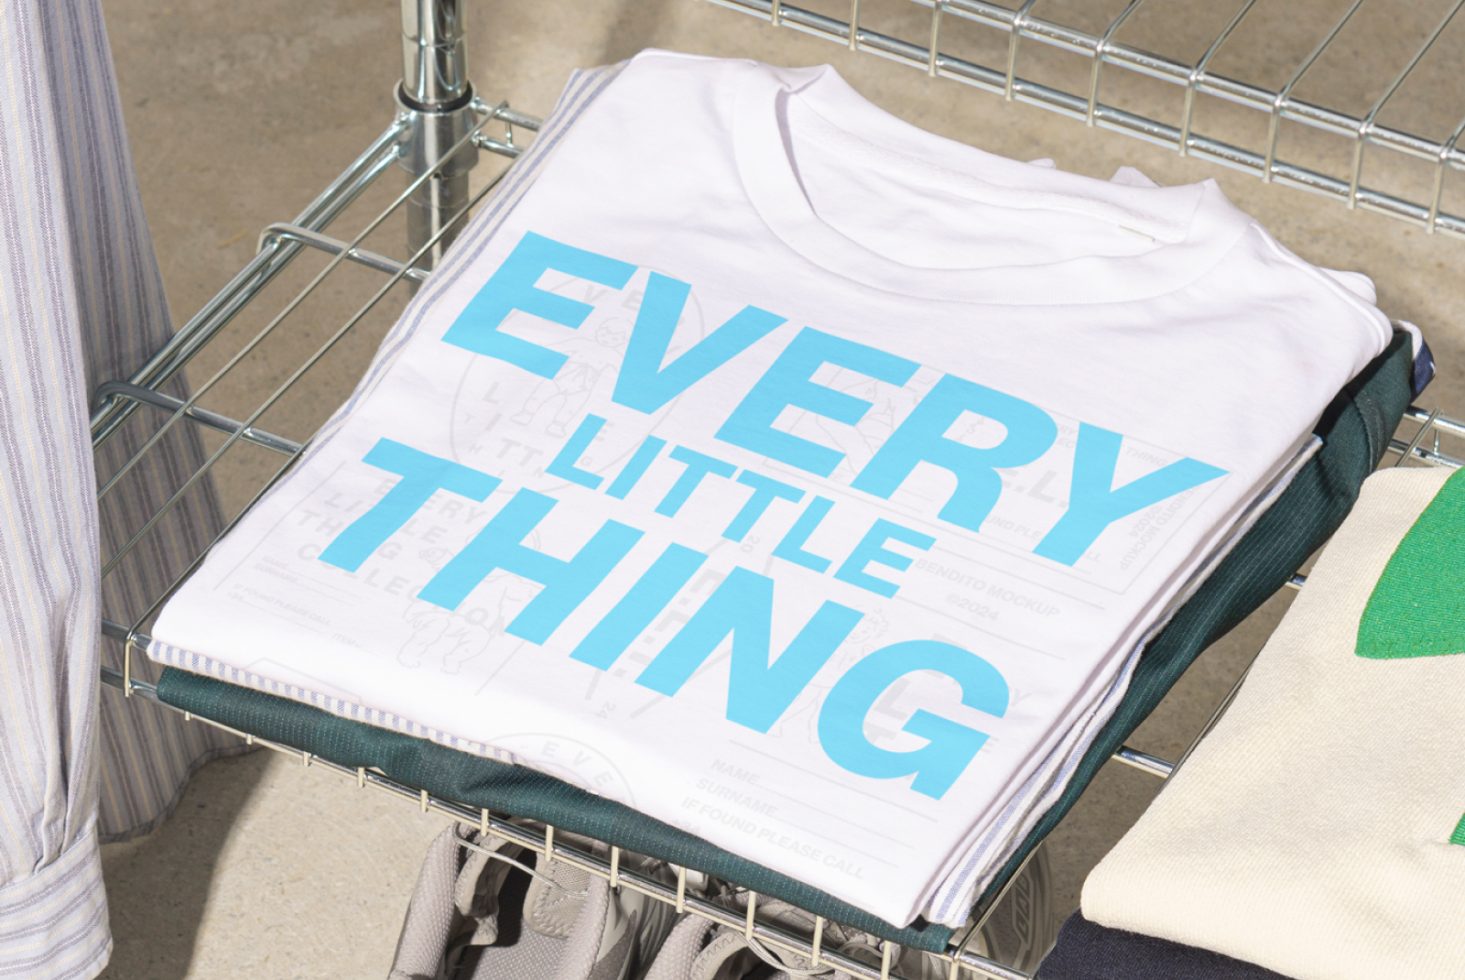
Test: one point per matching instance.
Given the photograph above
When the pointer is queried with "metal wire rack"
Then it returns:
(1056, 60)
(437, 136)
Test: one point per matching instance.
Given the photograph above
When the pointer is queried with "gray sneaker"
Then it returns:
(701, 950)
(1019, 933)
(483, 910)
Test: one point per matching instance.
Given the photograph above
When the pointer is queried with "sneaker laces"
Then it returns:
(774, 960)
(528, 869)
(652, 868)
(836, 936)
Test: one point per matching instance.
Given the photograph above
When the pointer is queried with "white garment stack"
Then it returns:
(811, 495)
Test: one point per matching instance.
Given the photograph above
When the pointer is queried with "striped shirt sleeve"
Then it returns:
(81, 301)
(53, 913)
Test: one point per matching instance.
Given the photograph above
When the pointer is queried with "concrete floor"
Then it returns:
(239, 113)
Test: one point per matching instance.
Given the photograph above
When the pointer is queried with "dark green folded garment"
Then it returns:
(504, 789)
(1355, 431)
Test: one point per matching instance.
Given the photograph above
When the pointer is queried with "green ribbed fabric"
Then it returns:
(1355, 430)
(1458, 837)
(504, 789)
(1417, 609)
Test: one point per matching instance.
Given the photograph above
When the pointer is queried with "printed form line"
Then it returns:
(884, 840)
(972, 626)
(849, 789)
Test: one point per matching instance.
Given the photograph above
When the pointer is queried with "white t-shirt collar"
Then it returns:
(1191, 226)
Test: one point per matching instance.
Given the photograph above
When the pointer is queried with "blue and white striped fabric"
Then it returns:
(81, 301)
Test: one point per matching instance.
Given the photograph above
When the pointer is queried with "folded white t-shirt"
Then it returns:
(793, 475)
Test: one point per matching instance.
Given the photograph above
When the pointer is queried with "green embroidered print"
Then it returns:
(1417, 609)
(1458, 837)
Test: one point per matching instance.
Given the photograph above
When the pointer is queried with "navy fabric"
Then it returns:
(1086, 951)
(1423, 368)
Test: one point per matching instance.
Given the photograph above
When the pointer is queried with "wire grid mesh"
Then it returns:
(245, 391)
(1269, 88)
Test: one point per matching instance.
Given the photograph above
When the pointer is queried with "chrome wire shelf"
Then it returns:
(1017, 47)
(233, 411)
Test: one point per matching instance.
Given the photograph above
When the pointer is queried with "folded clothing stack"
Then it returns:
(799, 478)
(1319, 830)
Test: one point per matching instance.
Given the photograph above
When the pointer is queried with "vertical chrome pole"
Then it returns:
(435, 97)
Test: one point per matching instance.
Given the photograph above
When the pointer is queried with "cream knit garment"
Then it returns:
(1311, 831)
